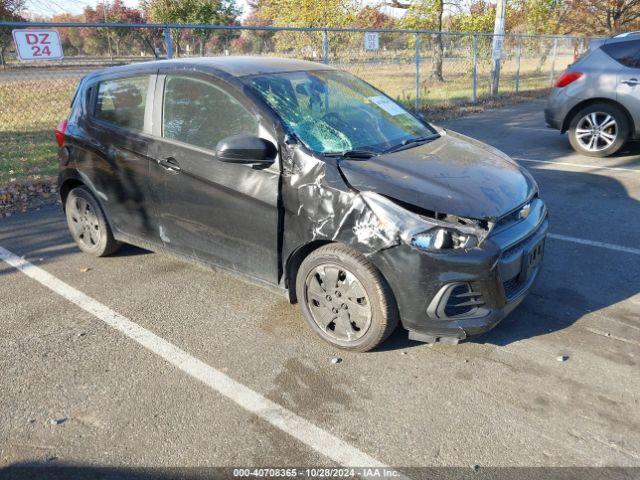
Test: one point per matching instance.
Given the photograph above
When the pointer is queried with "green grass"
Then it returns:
(29, 113)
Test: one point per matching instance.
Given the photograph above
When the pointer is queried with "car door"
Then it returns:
(117, 162)
(212, 211)
(628, 86)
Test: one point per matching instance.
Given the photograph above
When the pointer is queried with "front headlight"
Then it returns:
(443, 239)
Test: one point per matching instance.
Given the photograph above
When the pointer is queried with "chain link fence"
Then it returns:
(420, 69)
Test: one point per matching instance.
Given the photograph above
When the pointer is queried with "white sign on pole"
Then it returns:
(371, 41)
(37, 44)
(496, 51)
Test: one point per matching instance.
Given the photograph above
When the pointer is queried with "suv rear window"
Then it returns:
(626, 53)
(122, 101)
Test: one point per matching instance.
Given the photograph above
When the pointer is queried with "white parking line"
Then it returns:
(318, 439)
(579, 165)
(593, 243)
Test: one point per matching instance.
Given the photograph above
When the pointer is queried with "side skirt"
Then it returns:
(162, 249)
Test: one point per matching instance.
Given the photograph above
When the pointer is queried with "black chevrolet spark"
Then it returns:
(304, 178)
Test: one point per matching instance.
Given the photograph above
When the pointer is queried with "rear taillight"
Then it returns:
(60, 131)
(568, 77)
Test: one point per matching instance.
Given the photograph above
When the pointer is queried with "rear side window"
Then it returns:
(122, 101)
(626, 53)
(199, 113)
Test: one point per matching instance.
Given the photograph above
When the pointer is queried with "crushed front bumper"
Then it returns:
(494, 279)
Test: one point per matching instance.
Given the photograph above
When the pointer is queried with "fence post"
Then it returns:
(553, 60)
(325, 47)
(417, 103)
(518, 55)
(167, 41)
(474, 92)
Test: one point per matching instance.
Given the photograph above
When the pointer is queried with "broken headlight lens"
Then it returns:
(443, 239)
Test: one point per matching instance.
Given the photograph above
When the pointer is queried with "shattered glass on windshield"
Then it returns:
(333, 111)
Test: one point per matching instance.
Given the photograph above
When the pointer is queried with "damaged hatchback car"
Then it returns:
(304, 178)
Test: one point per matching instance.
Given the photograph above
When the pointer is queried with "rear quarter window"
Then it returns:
(122, 101)
(626, 53)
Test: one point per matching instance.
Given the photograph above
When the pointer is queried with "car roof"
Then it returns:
(238, 66)
(620, 38)
(627, 34)
(623, 37)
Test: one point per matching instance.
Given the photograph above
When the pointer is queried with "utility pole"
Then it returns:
(105, 5)
(496, 47)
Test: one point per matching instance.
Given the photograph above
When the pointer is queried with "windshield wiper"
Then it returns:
(412, 142)
(351, 154)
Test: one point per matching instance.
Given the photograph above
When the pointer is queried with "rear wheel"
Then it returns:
(598, 130)
(344, 299)
(88, 225)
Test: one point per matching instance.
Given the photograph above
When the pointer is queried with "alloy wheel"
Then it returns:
(596, 131)
(338, 302)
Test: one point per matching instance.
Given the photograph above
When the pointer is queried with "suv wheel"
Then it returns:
(87, 223)
(345, 299)
(598, 130)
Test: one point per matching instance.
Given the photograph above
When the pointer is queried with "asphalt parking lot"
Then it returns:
(233, 377)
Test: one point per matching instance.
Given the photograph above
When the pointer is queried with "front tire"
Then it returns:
(345, 299)
(598, 130)
(88, 225)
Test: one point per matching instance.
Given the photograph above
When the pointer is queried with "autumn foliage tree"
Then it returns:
(213, 12)
(114, 39)
(428, 15)
(602, 17)
(372, 17)
(10, 10)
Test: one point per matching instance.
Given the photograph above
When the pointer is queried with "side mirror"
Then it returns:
(246, 149)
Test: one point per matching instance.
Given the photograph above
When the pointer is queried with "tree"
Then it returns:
(427, 15)
(372, 17)
(10, 10)
(602, 17)
(101, 39)
(307, 13)
(479, 18)
(258, 41)
(213, 12)
(70, 38)
(544, 17)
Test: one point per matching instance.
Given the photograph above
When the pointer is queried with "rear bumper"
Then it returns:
(496, 274)
(551, 119)
(559, 104)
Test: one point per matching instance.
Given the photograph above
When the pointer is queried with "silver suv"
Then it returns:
(597, 99)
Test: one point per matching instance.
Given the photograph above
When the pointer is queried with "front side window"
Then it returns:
(332, 111)
(122, 101)
(626, 53)
(199, 113)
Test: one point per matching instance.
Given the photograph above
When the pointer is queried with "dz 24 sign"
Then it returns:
(37, 44)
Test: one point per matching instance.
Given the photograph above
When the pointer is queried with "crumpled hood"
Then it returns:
(453, 174)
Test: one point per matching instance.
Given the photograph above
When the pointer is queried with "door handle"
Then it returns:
(170, 164)
(632, 82)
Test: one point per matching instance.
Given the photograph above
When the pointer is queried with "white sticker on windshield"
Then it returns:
(387, 105)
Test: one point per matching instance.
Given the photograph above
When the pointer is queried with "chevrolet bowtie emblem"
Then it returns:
(524, 211)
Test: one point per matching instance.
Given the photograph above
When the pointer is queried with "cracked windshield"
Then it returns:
(333, 112)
